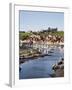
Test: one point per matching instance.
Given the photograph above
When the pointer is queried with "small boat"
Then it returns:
(55, 67)
(20, 68)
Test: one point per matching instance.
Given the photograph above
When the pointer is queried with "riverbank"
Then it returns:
(27, 58)
(31, 53)
(58, 69)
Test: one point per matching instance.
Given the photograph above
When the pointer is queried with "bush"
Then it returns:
(24, 35)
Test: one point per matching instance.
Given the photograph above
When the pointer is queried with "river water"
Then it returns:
(40, 67)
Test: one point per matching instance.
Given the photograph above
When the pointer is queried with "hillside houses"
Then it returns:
(50, 39)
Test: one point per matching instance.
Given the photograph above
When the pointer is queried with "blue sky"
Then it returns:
(36, 20)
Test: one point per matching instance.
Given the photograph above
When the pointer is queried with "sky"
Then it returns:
(39, 20)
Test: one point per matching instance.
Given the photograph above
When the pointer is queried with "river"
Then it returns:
(40, 67)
